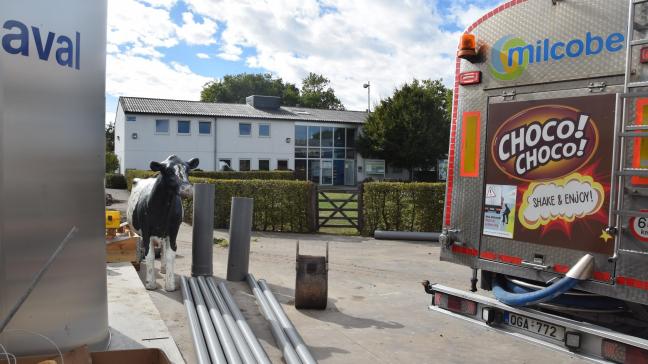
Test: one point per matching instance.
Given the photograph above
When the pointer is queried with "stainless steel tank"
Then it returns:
(51, 171)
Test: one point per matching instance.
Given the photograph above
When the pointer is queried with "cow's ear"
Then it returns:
(156, 166)
(193, 163)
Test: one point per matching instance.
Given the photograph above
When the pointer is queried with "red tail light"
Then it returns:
(455, 304)
(622, 353)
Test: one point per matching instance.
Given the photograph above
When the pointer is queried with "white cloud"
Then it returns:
(203, 55)
(194, 33)
(110, 117)
(464, 14)
(350, 42)
(151, 77)
(133, 25)
(230, 52)
(138, 37)
(166, 4)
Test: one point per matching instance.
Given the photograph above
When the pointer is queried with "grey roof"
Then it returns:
(141, 105)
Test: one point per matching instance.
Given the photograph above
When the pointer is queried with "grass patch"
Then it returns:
(221, 242)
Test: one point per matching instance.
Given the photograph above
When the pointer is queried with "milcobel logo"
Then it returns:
(510, 55)
(66, 51)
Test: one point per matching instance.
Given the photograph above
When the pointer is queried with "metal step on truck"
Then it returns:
(547, 191)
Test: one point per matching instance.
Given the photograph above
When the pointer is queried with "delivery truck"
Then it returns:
(547, 189)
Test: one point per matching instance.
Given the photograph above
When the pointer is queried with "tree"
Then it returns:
(317, 93)
(235, 88)
(411, 128)
(112, 162)
(110, 137)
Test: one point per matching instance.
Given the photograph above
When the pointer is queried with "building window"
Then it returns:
(282, 164)
(301, 135)
(327, 137)
(131, 118)
(244, 164)
(184, 127)
(264, 130)
(204, 127)
(162, 126)
(225, 164)
(264, 164)
(314, 136)
(245, 129)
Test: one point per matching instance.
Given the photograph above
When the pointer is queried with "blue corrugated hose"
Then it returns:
(586, 302)
(534, 297)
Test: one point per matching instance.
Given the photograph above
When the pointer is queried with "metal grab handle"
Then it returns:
(535, 265)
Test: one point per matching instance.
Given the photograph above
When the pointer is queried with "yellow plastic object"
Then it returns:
(112, 219)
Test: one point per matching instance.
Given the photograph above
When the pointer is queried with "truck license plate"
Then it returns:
(535, 326)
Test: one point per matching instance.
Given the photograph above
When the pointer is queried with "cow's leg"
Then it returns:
(149, 280)
(169, 260)
(163, 249)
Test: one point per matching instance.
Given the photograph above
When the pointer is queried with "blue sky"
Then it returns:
(171, 48)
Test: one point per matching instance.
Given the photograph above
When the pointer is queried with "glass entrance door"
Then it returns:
(327, 172)
(349, 172)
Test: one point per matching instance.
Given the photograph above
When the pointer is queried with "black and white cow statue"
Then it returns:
(155, 212)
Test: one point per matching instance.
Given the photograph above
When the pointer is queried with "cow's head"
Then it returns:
(175, 173)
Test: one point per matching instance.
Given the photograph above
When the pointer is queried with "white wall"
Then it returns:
(150, 146)
(232, 146)
(120, 120)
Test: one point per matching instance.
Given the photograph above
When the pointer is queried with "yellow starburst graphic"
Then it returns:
(605, 235)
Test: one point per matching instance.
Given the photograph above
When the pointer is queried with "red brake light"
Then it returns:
(643, 57)
(455, 304)
(622, 353)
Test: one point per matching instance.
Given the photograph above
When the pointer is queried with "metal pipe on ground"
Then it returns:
(239, 231)
(296, 339)
(406, 235)
(227, 344)
(202, 240)
(251, 339)
(289, 353)
(239, 341)
(213, 344)
(196, 332)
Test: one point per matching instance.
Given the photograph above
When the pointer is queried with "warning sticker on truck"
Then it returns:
(556, 157)
(499, 210)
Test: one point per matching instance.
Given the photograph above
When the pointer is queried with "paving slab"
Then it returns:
(377, 309)
(135, 322)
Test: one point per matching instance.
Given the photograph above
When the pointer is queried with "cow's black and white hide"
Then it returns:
(155, 212)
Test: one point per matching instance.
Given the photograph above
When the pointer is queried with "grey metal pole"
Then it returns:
(289, 353)
(239, 341)
(296, 339)
(406, 235)
(257, 350)
(213, 344)
(217, 320)
(239, 231)
(203, 230)
(196, 332)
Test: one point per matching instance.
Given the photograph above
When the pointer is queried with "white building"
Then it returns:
(259, 135)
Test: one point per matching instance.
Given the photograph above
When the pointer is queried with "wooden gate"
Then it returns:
(338, 208)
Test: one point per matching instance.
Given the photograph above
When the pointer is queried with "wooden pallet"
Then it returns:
(121, 245)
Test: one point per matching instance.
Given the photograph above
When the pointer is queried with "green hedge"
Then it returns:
(117, 181)
(278, 205)
(220, 175)
(402, 206)
(137, 173)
